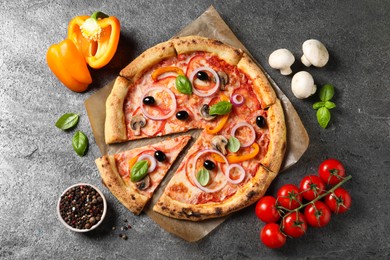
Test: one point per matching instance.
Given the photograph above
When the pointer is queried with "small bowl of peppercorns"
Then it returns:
(81, 207)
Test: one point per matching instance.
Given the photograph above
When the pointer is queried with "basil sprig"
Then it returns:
(323, 106)
(221, 108)
(67, 121)
(183, 85)
(139, 170)
(80, 143)
(203, 177)
(233, 144)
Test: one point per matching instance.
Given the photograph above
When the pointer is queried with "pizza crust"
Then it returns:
(197, 43)
(278, 142)
(115, 125)
(248, 194)
(129, 197)
(147, 59)
(262, 87)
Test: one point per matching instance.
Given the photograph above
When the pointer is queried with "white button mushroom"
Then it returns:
(314, 53)
(282, 59)
(302, 85)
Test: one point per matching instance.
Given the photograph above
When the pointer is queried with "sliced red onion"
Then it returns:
(220, 187)
(253, 133)
(240, 169)
(208, 92)
(237, 100)
(151, 160)
(158, 117)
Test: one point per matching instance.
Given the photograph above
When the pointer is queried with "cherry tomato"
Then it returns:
(266, 210)
(271, 236)
(311, 187)
(294, 225)
(331, 171)
(339, 201)
(317, 215)
(288, 196)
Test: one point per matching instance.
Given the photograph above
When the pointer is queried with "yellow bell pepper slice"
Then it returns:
(163, 70)
(234, 158)
(221, 122)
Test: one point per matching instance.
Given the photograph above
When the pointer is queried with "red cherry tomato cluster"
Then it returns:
(310, 204)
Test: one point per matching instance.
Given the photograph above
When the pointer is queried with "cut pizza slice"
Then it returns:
(132, 176)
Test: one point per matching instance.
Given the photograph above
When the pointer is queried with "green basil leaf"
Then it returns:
(183, 85)
(326, 92)
(203, 177)
(67, 121)
(139, 170)
(80, 143)
(221, 108)
(319, 104)
(233, 144)
(330, 105)
(323, 116)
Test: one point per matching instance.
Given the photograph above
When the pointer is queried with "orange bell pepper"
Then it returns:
(67, 63)
(163, 70)
(96, 37)
(221, 123)
(234, 158)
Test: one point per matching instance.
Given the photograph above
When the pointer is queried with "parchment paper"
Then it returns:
(211, 25)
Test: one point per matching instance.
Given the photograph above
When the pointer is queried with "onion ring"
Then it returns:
(151, 159)
(194, 177)
(173, 110)
(241, 170)
(253, 133)
(209, 92)
(237, 100)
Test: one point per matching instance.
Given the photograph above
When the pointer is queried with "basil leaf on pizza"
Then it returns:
(233, 144)
(183, 85)
(203, 177)
(80, 143)
(67, 121)
(139, 170)
(221, 108)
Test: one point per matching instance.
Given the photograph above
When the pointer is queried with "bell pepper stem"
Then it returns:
(98, 15)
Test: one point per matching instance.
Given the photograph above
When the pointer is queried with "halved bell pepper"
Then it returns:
(96, 37)
(67, 63)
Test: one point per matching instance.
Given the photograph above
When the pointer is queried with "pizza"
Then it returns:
(133, 175)
(199, 83)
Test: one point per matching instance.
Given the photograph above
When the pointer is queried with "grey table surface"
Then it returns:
(37, 161)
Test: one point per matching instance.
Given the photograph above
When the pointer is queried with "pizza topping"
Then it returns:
(160, 156)
(234, 158)
(237, 100)
(252, 134)
(183, 85)
(150, 159)
(173, 103)
(219, 143)
(221, 108)
(182, 115)
(139, 170)
(207, 92)
(219, 126)
(149, 100)
(224, 80)
(222, 182)
(209, 165)
(260, 121)
(203, 177)
(144, 183)
(202, 75)
(229, 172)
(282, 59)
(136, 123)
(156, 73)
(233, 144)
(204, 112)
